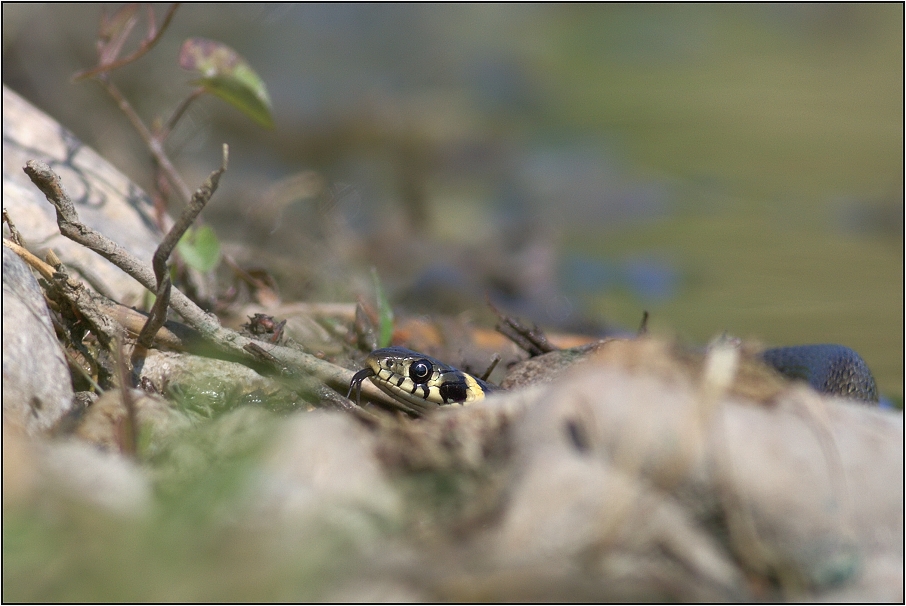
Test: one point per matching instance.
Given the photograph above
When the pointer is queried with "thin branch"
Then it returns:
(129, 441)
(144, 46)
(127, 109)
(532, 340)
(161, 272)
(643, 326)
(112, 38)
(338, 402)
(13, 232)
(165, 130)
(26, 255)
(241, 273)
(89, 305)
(155, 146)
(494, 362)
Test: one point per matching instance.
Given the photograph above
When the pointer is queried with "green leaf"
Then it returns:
(385, 313)
(200, 248)
(225, 74)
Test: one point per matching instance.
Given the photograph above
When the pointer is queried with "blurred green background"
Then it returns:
(726, 167)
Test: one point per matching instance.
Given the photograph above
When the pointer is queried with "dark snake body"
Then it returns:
(830, 369)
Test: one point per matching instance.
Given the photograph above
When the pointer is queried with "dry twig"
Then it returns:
(532, 340)
(159, 310)
(107, 64)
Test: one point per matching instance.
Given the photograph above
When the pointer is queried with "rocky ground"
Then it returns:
(633, 474)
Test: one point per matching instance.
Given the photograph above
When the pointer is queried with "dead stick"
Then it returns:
(159, 262)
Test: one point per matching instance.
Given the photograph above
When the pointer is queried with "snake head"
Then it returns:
(418, 380)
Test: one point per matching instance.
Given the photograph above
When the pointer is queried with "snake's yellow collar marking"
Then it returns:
(418, 379)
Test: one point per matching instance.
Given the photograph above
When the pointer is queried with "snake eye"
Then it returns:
(420, 371)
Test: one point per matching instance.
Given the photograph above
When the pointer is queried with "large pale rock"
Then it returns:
(625, 477)
(105, 199)
(37, 388)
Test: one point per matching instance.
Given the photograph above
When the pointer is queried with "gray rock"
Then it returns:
(37, 387)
